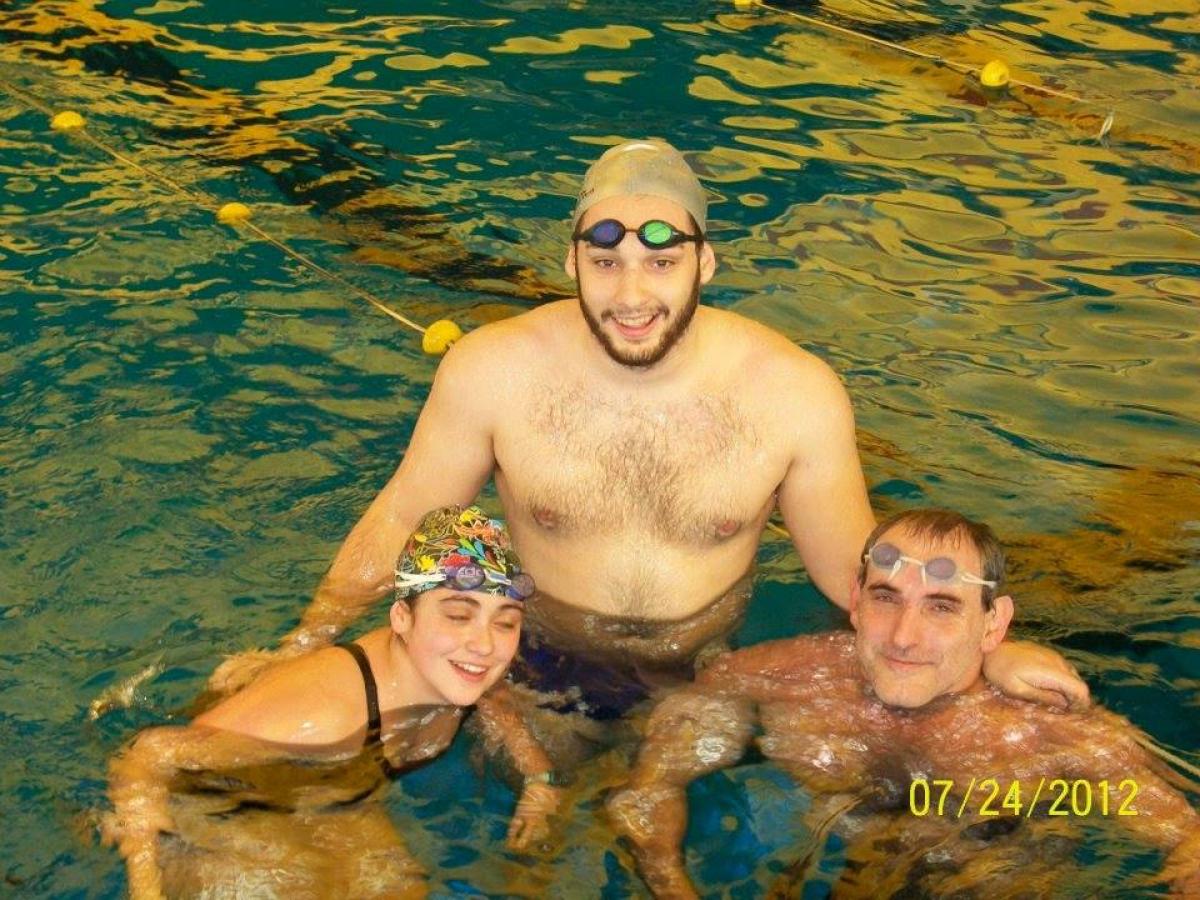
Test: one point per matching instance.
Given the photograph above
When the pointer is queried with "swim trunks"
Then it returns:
(604, 666)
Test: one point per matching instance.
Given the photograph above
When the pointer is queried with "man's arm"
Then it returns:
(823, 497)
(689, 735)
(708, 727)
(1106, 751)
(1036, 673)
(503, 726)
(448, 460)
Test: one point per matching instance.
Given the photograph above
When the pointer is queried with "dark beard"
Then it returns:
(644, 358)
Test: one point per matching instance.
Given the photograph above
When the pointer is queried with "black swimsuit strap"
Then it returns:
(364, 665)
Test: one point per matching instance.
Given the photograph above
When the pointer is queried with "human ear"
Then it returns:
(569, 263)
(855, 593)
(996, 626)
(401, 616)
(708, 262)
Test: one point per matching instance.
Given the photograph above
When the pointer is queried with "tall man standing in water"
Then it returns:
(639, 443)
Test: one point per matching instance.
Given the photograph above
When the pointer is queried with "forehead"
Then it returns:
(924, 547)
(634, 209)
(489, 604)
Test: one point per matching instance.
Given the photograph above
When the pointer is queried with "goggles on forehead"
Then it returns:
(943, 569)
(467, 578)
(655, 234)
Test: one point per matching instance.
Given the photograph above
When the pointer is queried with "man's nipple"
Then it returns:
(726, 528)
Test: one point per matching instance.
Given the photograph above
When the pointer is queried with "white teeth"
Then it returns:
(474, 670)
(638, 322)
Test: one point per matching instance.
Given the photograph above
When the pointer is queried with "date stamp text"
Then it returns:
(994, 797)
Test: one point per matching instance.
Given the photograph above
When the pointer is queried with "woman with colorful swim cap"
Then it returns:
(352, 715)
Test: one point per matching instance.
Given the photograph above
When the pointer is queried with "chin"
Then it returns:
(905, 696)
(460, 693)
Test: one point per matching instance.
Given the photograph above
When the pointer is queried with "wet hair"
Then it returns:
(939, 524)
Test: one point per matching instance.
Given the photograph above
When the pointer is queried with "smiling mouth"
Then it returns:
(634, 327)
(904, 665)
(470, 671)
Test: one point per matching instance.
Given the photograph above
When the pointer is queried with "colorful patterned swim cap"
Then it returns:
(461, 548)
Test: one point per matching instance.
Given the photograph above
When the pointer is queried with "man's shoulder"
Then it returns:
(767, 355)
(520, 330)
(785, 656)
(501, 357)
(522, 338)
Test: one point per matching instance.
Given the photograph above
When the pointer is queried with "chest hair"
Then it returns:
(672, 468)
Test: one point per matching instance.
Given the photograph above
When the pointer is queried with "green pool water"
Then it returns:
(191, 419)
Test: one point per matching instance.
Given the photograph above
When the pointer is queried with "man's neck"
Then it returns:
(681, 362)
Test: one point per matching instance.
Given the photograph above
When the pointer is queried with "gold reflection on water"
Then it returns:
(612, 37)
(419, 62)
(232, 127)
(1136, 540)
(608, 76)
(1145, 521)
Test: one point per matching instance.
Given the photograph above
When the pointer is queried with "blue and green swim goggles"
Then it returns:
(655, 234)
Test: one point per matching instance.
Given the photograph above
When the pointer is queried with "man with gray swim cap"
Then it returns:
(638, 443)
(653, 168)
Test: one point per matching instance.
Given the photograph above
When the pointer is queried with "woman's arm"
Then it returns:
(310, 704)
(139, 786)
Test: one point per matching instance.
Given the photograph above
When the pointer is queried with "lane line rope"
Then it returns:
(967, 69)
(203, 199)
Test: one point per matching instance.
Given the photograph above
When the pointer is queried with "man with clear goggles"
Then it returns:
(898, 706)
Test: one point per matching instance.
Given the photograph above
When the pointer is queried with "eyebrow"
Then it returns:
(460, 598)
(949, 598)
(887, 585)
(463, 598)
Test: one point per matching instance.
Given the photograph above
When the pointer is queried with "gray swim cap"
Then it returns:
(650, 167)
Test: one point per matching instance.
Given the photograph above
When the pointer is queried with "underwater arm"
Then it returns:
(139, 785)
(690, 734)
(1034, 672)
(1115, 754)
(503, 725)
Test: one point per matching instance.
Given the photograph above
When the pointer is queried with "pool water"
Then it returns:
(191, 419)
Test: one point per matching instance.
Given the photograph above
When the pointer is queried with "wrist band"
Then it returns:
(550, 777)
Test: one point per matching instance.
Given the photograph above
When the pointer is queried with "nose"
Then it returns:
(631, 292)
(480, 640)
(905, 627)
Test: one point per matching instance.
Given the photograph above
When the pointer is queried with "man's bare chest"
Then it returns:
(692, 468)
